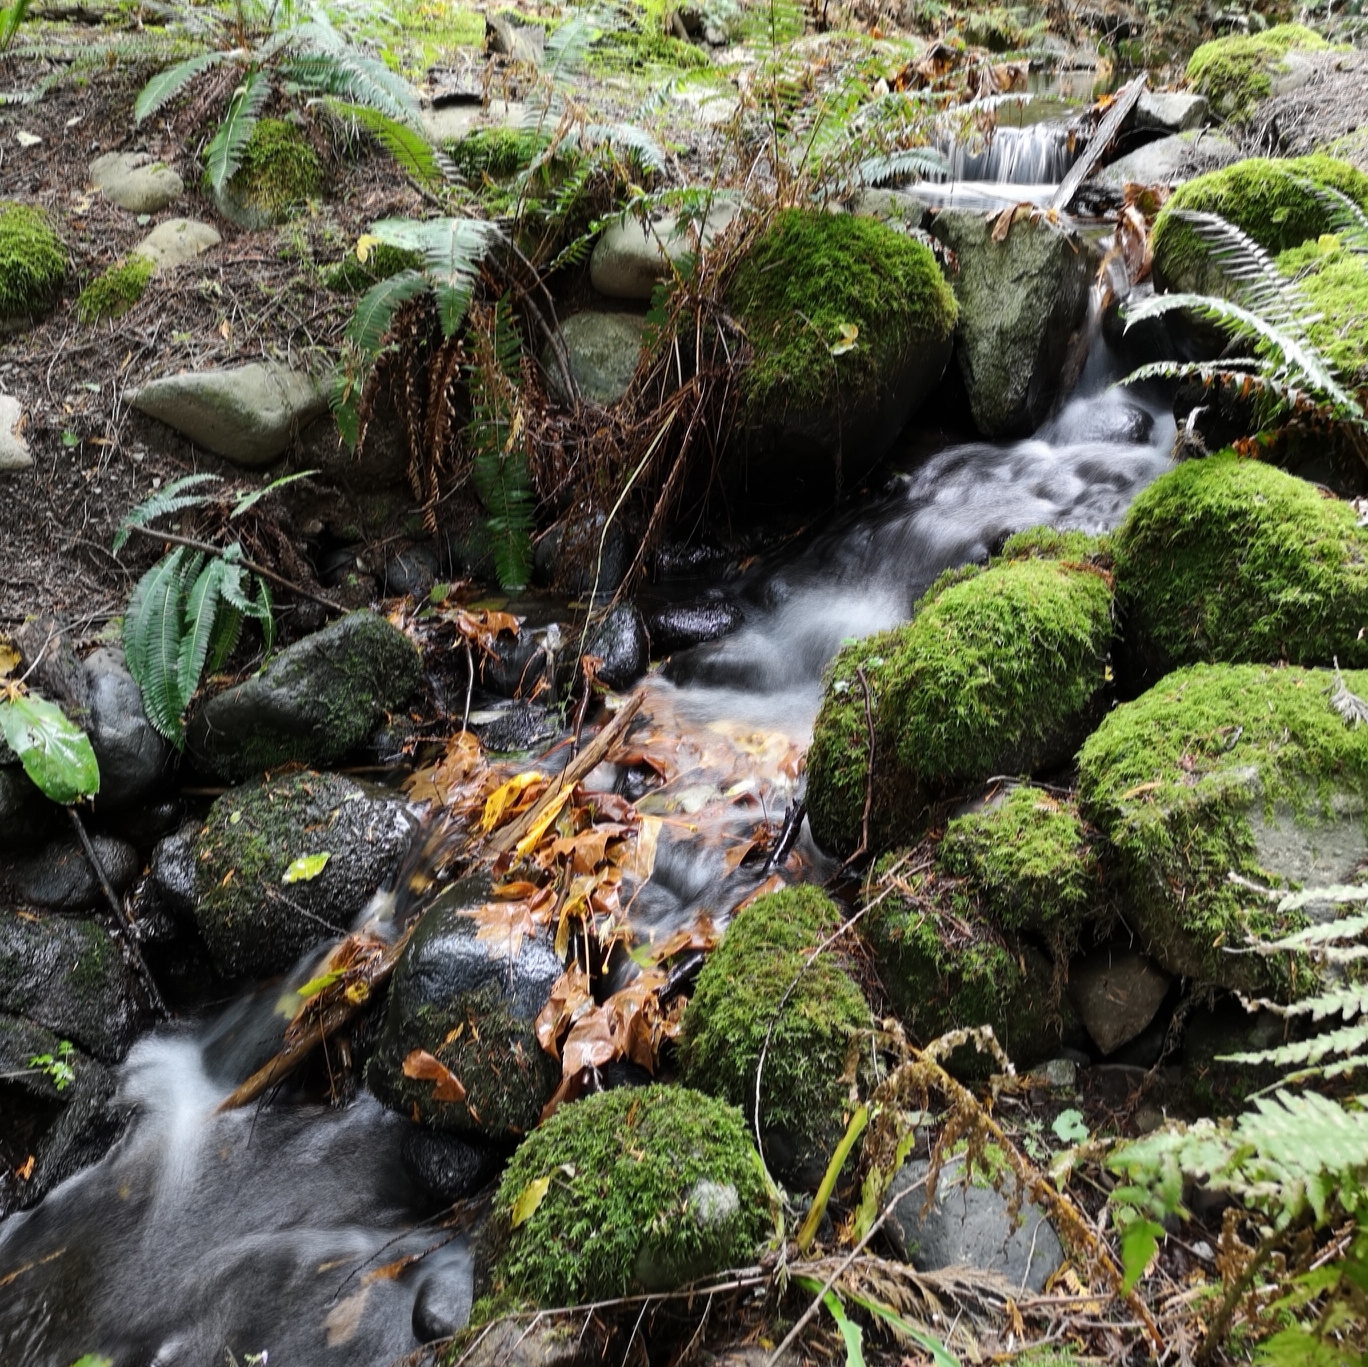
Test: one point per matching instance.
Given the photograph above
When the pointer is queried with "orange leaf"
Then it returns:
(568, 996)
(589, 1043)
(446, 1086)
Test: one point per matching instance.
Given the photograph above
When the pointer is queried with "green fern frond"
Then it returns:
(376, 307)
(11, 16)
(223, 155)
(355, 79)
(170, 498)
(410, 150)
(1348, 222)
(925, 163)
(638, 143)
(201, 613)
(166, 85)
(153, 627)
(452, 250)
(567, 49)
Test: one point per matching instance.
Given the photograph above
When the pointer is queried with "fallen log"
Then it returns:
(1098, 143)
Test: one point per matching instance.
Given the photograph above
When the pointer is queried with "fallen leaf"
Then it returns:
(508, 796)
(306, 867)
(528, 1199)
(569, 995)
(847, 339)
(422, 1066)
(25, 1169)
(589, 1043)
(9, 657)
(364, 246)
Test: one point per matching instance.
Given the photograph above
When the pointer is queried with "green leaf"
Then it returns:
(92, 1360)
(324, 64)
(56, 754)
(851, 1333)
(223, 156)
(371, 320)
(1070, 1126)
(165, 85)
(201, 616)
(1138, 1241)
(258, 494)
(452, 250)
(169, 499)
(941, 1356)
(307, 867)
(528, 1199)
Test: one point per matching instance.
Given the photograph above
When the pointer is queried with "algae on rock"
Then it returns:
(1219, 777)
(736, 1005)
(636, 1189)
(1001, 671)
(1232, 560)
(32, 263)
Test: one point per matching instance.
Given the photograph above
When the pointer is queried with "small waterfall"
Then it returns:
(1038, 154)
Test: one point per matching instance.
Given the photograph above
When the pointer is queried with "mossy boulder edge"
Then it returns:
(1236, 71)
(33, 264)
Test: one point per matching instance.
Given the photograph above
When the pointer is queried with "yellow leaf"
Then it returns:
(849, 334)
(553, 810)
(9, 657)
(307, 867)
(529, 1198)
(504, 796)
(365, 244)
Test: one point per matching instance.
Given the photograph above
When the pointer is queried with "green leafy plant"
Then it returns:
(11, 16)
(56, 753)
(187, 611)
(56, 1067)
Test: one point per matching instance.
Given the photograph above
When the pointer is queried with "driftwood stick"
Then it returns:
(1098, 143)
(209, 549)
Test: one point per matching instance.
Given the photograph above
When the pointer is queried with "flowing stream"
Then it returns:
(275, 1231)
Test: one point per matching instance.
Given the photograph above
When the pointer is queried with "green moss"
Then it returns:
(1000, 673)
(1335, 281)
(115, 292)
(804, 1096)
(1051, 543)
(648, 1188)
(810, 275)
(279, 172)
(635, 50)
(1030, 863)
(945, 967)
(1260, 196)
(496, 152)
(1235, 72)
(1226, 559)
(1178, 781)
(350, 276)
(32, 262)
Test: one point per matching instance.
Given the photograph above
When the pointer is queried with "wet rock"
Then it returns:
(14, 452)
(26, 816)
(1020, 300)
(472, 1004)
(257, 910)
(174, 242)
(441, 1306)
(622, 646)
(580, 559)
(1118, 993)
(449, 1167)
(682, 625)
(1170, 161)
(412, 572)
(513, 729)
(133, 181)
(969, 1226)
(247, 414)
(171, 872)
(602, 349)
(514, 664)
(69, 976)
(60, 877)
(315, 701)
(630, 259)
(133, 758)
(1124, 423)
(1170, 111)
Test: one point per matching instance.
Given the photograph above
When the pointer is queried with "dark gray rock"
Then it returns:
(513, 666)
(522, 42)
(1171, 160)
(412, 572)
(1020, 300)
(472, 1003)
(682, 625)
(968, 1225)
(171, 872)
(622, 646)
(519, 726)
(252, 919)
(26, 815)
(60, 877)
(580, 559)
(1118, 992)
(441, 1307)
(315, 701)
(70, 977)
(449, 1167)
(1170, 111)
(133, 758)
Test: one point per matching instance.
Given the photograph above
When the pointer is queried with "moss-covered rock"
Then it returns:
(470, 1002)
(32, 263)
(645, 1188)
(1030, 863)
(257, 909)
(351, 275)
(115, 292)
(1335, 282)
(1236, 72)
(1002, 671)
(1231, 560)
(1261, 196)
(945, 967)
(812, 419)
(316, 700)
(1221, 770)
(805, 1086)
(495, 152)
(279, 173)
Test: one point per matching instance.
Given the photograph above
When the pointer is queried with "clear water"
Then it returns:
(255, 1231)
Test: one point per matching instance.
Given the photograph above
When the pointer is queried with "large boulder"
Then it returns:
(1222, 770)
(736, 1007)
(1021, 299)
(258, 907)
(247, 414)
(631, 1190)
(1232, 560)
(467, 993)
(70, 977)
(133, 758)
(1003, 671)
(1170, 160)
(850, 324)
(316, 700)
(1237, 71)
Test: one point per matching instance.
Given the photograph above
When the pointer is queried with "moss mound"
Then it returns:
(645, 1189)
(32, 262)
(496, 152)
(115, 292)
(279, 173)
(811, 275)
(803, 1097)
(1232, 560)
(351, 276)
(1236, 72)
(1030, 863)
(1262, 197)
(945, 967)
(1221, 769)
(1335, 281)
(1001, 672)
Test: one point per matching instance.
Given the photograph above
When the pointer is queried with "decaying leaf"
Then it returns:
(569, 995)
(847, 339)
(529, 1198)
(517, 794)
(446, 1086)
(307, 867)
